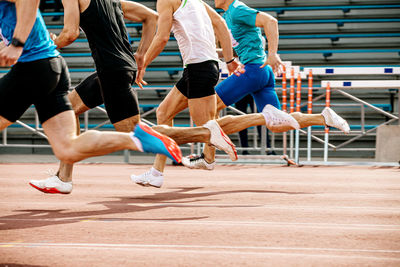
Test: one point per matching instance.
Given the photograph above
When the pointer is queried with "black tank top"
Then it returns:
(103, 24)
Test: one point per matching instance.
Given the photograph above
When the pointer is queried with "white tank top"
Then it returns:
(194, 32)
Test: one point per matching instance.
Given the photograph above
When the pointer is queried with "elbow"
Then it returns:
(163, 40)
(71, 36)
(150, 17)
(272, 22)
(151, 20)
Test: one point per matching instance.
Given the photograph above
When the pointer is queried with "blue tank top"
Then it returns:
(246, 37)
(38, 45)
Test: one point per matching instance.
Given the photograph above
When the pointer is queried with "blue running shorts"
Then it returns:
(260, 83)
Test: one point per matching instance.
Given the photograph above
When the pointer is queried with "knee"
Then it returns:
(163, 116)
(65, 153)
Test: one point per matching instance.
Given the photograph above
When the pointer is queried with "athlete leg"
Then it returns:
(306, 120)
(70, 148)
(65, 170)
(173, 103)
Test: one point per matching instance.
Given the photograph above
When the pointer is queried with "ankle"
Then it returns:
(207, 159)
(155, 172)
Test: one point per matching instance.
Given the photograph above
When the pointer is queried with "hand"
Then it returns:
(53, 36)
(141, 70)
(139, 78)
(10, 55)
(2, 45)
(236, 68)
(274, 61)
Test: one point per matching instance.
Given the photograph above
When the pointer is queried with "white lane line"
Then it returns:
(342, 226)
(224, 205)
(235, 250)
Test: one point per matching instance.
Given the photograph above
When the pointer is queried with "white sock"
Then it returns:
(136, 141)
(155, 172)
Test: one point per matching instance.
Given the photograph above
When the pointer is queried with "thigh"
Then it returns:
(202, 79)
(266, 94)
(89, 91)
(234, 88)
(14, 97)
(173, 103)
(56, 100)
(203, 109)
(119, 97)
(183, 84)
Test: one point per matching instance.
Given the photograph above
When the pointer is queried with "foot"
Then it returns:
(277, 120)
(334, 120)
(157, 143)
(197, 162)
(220, 140)
(148, 179)
(52, 185)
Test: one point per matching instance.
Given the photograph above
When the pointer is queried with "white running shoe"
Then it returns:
(220, 140)
(277, 120)
(52, 185)
(197, 162)
(148, 179)
(334, 120)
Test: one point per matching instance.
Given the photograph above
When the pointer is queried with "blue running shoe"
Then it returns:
(157, 143)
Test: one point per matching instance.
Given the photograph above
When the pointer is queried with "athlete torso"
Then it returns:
(246, 37)
(104, 26)
(37, 46)
(194, 33)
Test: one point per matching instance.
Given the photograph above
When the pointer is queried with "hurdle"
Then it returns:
(309, 111)
(284, 106)
(291, 110)
(339, 86)
(298, 103)
(327, 104)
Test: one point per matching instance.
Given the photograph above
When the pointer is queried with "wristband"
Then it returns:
(230, 61)
(17, 43)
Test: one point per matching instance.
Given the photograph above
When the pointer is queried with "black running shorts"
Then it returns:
(199, 79)
(43, 83)
(114, 89)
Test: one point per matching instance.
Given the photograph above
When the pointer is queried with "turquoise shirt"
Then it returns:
(37, 46)
(246, 37)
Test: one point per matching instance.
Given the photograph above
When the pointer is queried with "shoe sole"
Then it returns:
(194, 168)
(50, 190)
(233, 155)
(169, 144)
(148, 185)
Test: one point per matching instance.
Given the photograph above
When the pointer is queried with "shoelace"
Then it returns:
(145, 177)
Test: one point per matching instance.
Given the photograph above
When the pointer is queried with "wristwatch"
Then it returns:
(17, 43)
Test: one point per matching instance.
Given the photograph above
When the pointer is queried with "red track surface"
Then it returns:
(233, 216)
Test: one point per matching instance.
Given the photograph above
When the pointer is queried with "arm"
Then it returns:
(71, 24)
(165, 17)
(26, 17)
(270, 25)
(224, 37)
(139, 13)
